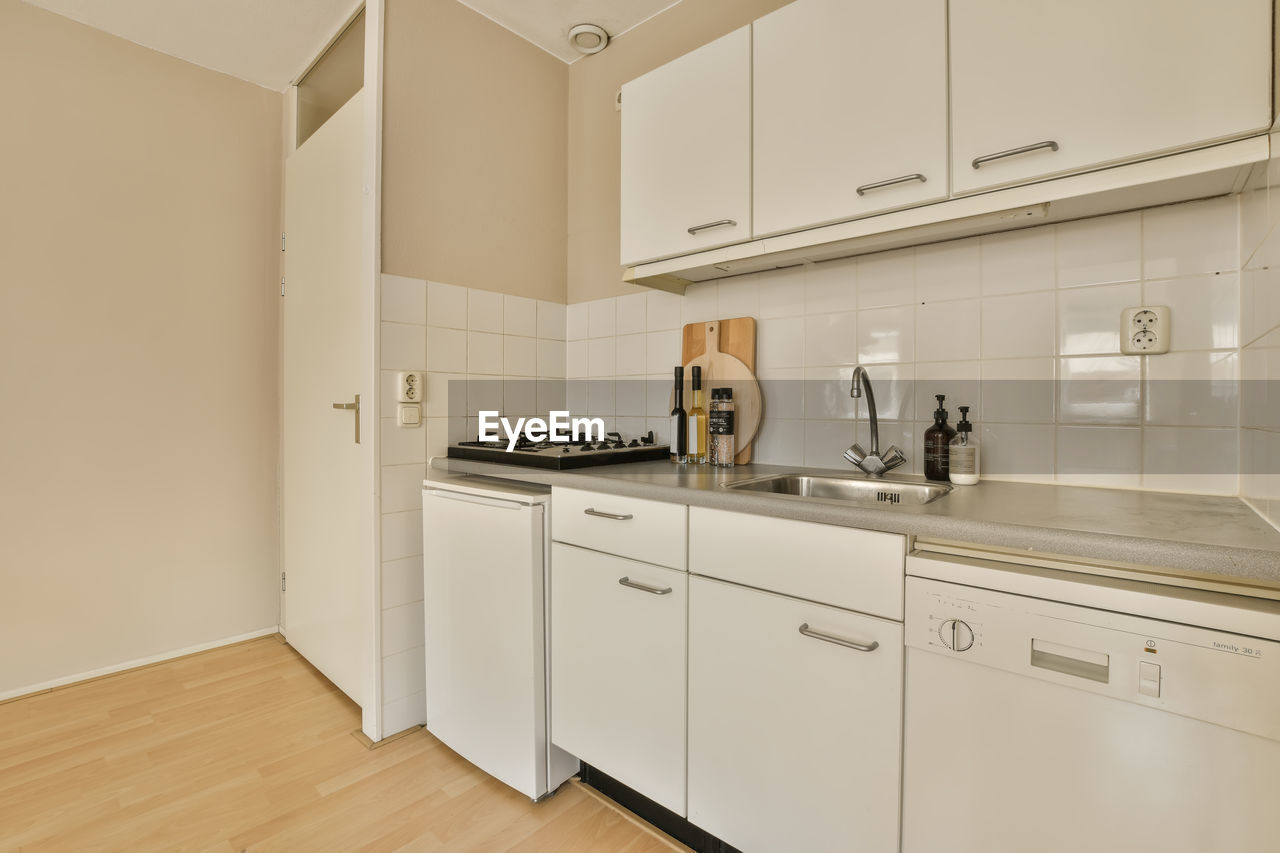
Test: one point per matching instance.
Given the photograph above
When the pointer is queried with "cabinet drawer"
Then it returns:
(855, 569)
(618, 695)
(652, 531)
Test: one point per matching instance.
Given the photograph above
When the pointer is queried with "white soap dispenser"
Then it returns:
(964, 452)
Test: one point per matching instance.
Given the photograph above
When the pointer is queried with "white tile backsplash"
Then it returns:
(551, 321)
(662, 311)
(1204, 310)
(404, 300)
(1100, 251)
(1020, 326)
(829, 287)
(1187, 239)
(887, 278)
(484, 354)
(950, 270)
(1089, 317)
(631, 313)
(831, 339)
(446, 305)
(484, 311)
(887, 335)
(519, 316)
(1018, 261)
(949, 330)
(404, 347)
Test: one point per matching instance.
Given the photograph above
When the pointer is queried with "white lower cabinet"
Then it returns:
(794, 740)
(618, 673)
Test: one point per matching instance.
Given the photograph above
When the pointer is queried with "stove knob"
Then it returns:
(634, 443)
(956, 635)
(565, 450)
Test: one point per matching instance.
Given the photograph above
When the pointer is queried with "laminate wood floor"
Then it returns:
(249, 748)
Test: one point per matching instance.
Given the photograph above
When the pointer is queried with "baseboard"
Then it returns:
(137, 663)
(670, 823)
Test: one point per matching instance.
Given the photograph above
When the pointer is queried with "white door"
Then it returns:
(686, 152)
(483, 585)
(794, 740)
(328, 327)
(1072, 85)
(618, 669)
(842, 132)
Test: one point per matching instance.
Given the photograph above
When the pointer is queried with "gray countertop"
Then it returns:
(1219, 538)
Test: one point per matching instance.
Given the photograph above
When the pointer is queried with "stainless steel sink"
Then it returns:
(860, 490)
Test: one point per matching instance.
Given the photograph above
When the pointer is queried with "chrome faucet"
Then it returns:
(875, 463)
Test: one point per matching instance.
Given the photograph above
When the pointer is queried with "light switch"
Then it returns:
(410, 415)
(1149, 679)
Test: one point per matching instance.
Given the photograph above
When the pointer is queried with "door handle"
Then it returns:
(862, 190)
(352, 407)
(644, 587)
(602, 514)
(1013, 152)
(704, 226)
(839, 641)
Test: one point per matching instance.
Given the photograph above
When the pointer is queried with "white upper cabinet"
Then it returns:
(686, 152)
(850, 110)
(1044, 87)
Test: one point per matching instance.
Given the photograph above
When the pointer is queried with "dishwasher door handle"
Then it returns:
(839, 641)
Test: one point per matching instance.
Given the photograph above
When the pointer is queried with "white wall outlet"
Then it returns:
(411, 386)
(1145, 330)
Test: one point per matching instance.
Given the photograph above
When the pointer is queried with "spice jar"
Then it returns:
(721, 426)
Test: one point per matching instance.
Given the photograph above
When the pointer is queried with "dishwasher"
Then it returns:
(1058, 711)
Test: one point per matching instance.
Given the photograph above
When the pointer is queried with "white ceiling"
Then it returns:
(546, 23)
(268, 42)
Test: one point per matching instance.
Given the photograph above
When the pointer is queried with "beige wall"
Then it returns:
(474, 181)
(139, 250)
(594, 141)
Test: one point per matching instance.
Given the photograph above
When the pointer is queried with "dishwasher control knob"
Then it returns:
(956, 635)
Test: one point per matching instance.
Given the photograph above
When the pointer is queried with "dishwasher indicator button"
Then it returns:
(1149, 679)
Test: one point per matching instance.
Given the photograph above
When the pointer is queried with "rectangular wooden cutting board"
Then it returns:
(738, 339)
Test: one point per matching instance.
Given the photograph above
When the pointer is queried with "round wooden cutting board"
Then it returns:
(722, 370)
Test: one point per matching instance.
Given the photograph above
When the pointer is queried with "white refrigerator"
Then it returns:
(485, 573)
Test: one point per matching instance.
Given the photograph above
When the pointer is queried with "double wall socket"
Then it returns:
(1145, 330)
(410, 389)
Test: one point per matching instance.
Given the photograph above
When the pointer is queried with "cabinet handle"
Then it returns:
(695, 229)
(1013, 152)
(839, 641)
(598, 514)
(644, 587)
(862, 190)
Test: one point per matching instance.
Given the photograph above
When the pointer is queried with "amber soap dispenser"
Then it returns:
(937, 444)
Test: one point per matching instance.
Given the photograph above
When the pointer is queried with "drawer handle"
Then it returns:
(862, 190)
(719, 222)
(598, 514)
(1013, 152)
(839, 641)
(644, 587)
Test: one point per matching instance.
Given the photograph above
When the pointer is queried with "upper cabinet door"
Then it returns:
(1043, 87)
(686, 153)
(850, 110)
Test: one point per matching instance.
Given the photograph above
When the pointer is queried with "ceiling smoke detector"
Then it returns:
(588, 38)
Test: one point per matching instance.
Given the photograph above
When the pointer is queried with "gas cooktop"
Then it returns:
(563, 455)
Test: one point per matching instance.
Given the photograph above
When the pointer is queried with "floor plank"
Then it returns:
(248, 748)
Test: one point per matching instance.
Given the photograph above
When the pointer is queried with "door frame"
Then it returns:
(371, 293)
